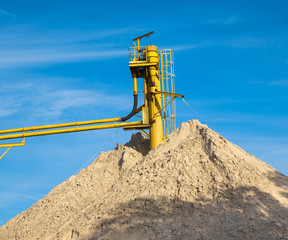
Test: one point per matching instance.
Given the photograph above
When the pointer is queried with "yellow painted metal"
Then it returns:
(138, 38)
(5, 152)
(144, 62)
(168, 103)
(146, 134)
(69, 130)
(139, 109)
(136, 127)
(170, 94)
(13, 144)
(145, 115)
(168, 90)
(163, 99)
(135, 82)
(60, 125)
(10, 145)
(145, 92)
(155, 106)
(156, 67)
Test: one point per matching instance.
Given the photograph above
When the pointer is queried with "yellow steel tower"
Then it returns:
(156, 68)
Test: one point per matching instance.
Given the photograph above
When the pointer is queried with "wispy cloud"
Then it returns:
(238, 117)
(6, 14)
(223, 21)
(55, 103)
(36, 57)
(248, 42)
(12, 87)
(279, 83)
(21, 36)
(7, 111)
(214, 116)
(26, 48)
(7, 197)
(48, 101)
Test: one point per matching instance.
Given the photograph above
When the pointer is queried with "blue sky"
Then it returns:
(63, 61)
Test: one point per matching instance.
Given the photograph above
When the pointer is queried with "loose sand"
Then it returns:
(195, 185)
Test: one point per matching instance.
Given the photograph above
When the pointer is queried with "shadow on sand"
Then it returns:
(242, 213)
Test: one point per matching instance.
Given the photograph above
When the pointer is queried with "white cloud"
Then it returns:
(7, 111)
(21, 47)
(8, 105)
(248, 42)
(47, 101)
(55, 103)
(25, 36)
(7, 197)
(4, 88)
(16, 59)
(280, 83)
(224, 21)
(5, 13)
(238, 117)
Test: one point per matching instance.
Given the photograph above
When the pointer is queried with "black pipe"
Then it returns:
(123, 119)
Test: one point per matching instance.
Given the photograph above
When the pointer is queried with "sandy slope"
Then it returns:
(195, 185)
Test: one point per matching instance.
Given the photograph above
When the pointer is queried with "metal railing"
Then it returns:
(135, 55)
(168, 85)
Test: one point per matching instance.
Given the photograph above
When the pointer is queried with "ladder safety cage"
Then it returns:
(168, 85)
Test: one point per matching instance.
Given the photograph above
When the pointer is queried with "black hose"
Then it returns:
(123, 119)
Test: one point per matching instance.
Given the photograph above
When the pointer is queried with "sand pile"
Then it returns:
(195, 185)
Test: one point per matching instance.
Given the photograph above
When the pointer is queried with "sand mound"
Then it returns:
(195, 185)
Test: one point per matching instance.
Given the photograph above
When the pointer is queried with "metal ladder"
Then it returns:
(168, 85)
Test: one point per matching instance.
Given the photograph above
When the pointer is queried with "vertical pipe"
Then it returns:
(155, 105)
(145, 92)
(138, 48)
(134, 75)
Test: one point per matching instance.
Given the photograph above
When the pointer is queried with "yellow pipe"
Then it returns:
(138, 40)
(155, 109)
(13, 144)
(145, 92)
(77, 129)
(135, 82)
(60, 125)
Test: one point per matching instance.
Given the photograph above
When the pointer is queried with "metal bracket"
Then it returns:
(145, 134)
(138, 39)
(170, 94)
(10, 145)
(145, 115)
